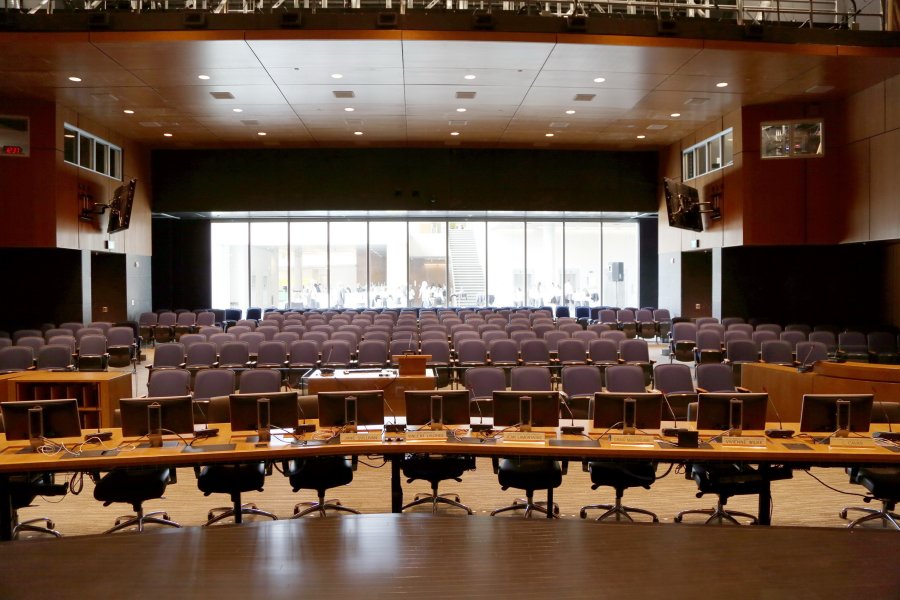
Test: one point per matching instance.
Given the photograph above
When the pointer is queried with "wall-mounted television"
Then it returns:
(683, 205)
(120, 207)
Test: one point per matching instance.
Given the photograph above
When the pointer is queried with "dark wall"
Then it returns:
(696, 284)
(108, 287)
(649, 232)
(403, 179)
(181, 264)
(840, 285)
(43, 285)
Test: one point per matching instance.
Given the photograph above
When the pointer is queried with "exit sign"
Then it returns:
(15, 139)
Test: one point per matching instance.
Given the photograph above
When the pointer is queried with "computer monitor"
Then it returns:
(526, 408)
(628, 412)
(437, 407)
(247, 413)
(732, 411)
(836, 412)
(353, 407)
(35, 419)
(175, 415)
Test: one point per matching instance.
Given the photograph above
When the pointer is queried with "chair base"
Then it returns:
(529, 506)
(140, 519)
(321, 507)
(872, 514)
(616, 512)
(227, 512)
(30, 526)
(718, 514)
(434, 499)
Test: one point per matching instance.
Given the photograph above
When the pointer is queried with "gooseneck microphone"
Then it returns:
(393, 427)
(671, 431)
(804, 366)
(890, 434)
(480, 426)
(572, 429)
(781, 432)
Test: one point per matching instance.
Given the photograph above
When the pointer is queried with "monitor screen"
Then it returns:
(611, 411)
(683, 205)
(514, 408)
(177, 415)
(244, 415)
(120, 207)
(336, 408)
(819, 412)
(60, 418)
(714, 411)
(449, 407)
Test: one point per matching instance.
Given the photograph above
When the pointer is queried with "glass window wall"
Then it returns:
(427, 263)
(268, 264)
(467, 266)
(347, 256)
(506, 263)
(229, 263)
(388, 287)
(544, 259)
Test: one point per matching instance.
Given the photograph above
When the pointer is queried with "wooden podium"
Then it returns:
(411, 364)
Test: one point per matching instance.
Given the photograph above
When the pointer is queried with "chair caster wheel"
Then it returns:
(165, 516)
(583, 514)
(843, 513)
(51, 525)
(677, 519)
(656, 519)
(209, 516)
(456, 498)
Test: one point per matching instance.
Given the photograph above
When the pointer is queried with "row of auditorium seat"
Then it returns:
(65, 349)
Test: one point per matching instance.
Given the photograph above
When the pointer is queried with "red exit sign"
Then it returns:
(13, 150)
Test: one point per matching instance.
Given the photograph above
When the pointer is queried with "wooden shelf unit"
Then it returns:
(98, 394)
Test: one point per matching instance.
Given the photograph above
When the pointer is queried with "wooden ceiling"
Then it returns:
(409, 88)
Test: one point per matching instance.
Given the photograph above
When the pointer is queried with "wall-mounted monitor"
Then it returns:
(682, 205)
(120, 207)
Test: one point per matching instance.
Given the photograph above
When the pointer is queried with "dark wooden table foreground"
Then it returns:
(390, 555)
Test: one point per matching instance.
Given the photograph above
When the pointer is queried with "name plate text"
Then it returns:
(632, 440)
(524, 436)
(367, 436)
(851, 442)
(744, 440)
(426, 434)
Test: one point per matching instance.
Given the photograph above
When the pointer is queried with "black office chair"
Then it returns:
(620, 476)
(883, 484)
(320, 474)
(233, 479)
(727, 480)
(435, 469)
(529, 474)
(23, 490)
(134, 486)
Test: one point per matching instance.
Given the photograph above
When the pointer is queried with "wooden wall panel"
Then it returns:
(733, 203)
(892, 103)
(774, 201)
(865, 113)
(853, 219)
(884, 189)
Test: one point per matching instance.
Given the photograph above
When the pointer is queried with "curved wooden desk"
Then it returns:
(402, 556)
(790, 452)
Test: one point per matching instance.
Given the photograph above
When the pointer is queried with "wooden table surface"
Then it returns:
(389, 381)
(417, 556)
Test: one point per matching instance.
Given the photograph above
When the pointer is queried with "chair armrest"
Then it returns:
(701, 390)
(742, 390)
(495, 463)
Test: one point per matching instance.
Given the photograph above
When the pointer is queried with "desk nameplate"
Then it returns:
(632, 440)
(366, 436)
(524, 436)
(430, 435)
(852, 442)
(746, 441)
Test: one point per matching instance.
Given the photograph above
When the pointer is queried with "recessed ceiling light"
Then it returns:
(549, 135)
(349, 109)
(167, 135)
(722, 84)
(675, 115)
(460, 110)
(237, 110)
(260, 133)
(71, 136)
(469, 76)
(128, 111)
(640, 137)
(599, 79)
(357, 133)
(75, 79)
(454, 133)
(203, 77)
(570, 112)
(336, 76)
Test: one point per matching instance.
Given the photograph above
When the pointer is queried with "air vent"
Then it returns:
(694, 101)
(584, 97)
(150, 124)
(354, 122)
(344, 94)
(656, 127)
(465, 95)
(249, 122)
(222, 95)
(558, 125)
(457, 123)
(104, 97)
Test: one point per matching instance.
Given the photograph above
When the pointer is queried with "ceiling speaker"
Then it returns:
(291, 19)
(195, 20)
(386, 20)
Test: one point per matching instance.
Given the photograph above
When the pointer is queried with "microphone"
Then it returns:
(671, 431)
(392, 427)
(781, 432)
(804, 367)
(572, 429)
(327, 370)
(480, 426)
(890, 434)
(303, 427)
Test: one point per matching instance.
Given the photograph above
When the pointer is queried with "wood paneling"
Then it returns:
(852, 217)
(892, 103)
(884, 190)
(865, 113)
(774, 201)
